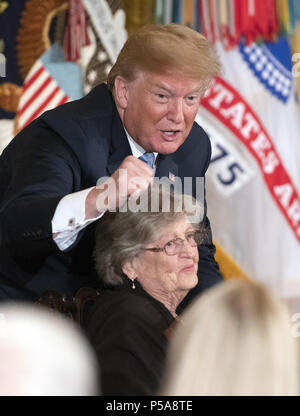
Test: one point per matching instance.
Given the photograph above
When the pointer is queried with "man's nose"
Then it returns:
(175, 111)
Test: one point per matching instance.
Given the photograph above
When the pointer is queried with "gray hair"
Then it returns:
(121, 235)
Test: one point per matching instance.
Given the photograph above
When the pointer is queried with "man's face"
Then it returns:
(158, 111)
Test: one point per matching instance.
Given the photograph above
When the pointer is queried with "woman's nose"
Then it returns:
(187, 250)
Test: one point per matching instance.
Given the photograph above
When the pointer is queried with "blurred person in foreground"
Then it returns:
(234, 340)
(49, 201)
(147, 263)
(44, 354)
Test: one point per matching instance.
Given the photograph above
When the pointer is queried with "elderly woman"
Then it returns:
(147, 263)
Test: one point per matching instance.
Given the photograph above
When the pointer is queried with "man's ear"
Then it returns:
(129, 270)
(121, 92)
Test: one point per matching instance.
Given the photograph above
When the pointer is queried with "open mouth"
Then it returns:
(170, 134)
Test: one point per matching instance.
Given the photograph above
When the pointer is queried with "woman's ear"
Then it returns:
(121, 92)
(129, 270)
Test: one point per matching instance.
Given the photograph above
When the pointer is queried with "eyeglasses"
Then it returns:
(173, 247)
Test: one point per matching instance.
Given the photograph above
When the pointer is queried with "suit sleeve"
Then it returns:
(208, 269)
(43, 170)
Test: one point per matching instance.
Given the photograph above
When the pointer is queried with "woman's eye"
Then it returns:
(170, 243)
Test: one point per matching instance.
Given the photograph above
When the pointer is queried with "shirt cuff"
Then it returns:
(69, 218)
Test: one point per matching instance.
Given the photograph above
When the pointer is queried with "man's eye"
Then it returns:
(191, 98)
(161, 96)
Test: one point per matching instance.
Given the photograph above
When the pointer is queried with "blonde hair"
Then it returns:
(161, 48)
(235, 340)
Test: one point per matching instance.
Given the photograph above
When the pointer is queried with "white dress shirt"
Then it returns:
(69, 216)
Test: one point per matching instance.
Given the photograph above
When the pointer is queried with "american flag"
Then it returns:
(50, 82)
(171, 176)
(40, 93)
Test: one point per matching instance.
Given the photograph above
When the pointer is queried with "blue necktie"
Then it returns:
(148, 158)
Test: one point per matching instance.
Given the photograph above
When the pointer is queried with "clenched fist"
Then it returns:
(133, 177)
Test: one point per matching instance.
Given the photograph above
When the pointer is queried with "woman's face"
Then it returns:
(161, 274)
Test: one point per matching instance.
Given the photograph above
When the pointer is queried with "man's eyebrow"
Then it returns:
(162, 87)
(195, 91)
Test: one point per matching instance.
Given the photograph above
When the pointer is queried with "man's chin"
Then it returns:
(168, 147)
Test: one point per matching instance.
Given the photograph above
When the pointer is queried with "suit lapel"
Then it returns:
(166, 167)
(120, 147)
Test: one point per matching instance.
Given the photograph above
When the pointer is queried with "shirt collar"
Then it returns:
(136, 149)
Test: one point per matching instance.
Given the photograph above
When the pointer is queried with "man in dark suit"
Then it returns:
(49, 201)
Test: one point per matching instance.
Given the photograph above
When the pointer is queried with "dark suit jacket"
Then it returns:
(126, 328)
(66, 150)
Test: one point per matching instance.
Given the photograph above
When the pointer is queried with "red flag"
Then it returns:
(76, 31)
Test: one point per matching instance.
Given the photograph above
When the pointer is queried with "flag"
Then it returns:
(50, 82)
(25, 41)
(11, 83)
(172, 176)
(76, 34)
(188, 13)
(253, 182)
(107, 33)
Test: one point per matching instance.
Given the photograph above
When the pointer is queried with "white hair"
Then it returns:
(43, 354)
